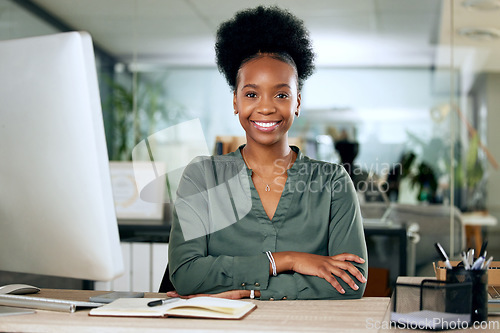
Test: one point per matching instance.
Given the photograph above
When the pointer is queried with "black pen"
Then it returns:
(162, 301)
(483, 249)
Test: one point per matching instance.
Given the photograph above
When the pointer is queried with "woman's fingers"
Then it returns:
(348, 257)
(339, 272)
(347, 266)
(330, 268)
(339, 269)
(231, 294)
(330, 274)
(173, 294)
(333, 281)
(176, 294)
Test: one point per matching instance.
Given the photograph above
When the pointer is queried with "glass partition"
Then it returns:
(470, 46)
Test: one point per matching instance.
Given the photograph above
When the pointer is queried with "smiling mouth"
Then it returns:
(266, 125)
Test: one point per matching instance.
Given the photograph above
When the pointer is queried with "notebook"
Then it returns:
(198, 307)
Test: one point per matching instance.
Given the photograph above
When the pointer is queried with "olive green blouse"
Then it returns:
(220, 231)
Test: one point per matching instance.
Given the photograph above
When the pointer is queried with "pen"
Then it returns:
(470, 256)
(162, 301)
(465, 261)
(478, 263)
(443, 254)
(482, 253)
(488, 262)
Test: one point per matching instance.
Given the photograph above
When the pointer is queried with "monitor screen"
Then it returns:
(57, 214)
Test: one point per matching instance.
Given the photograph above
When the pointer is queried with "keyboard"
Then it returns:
(40, 303)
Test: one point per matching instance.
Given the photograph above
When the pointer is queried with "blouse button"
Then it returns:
(271, 299)
(243, 284)
(257, 284)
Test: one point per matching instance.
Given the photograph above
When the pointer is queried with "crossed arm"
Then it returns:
(328, 268)
(340, 273)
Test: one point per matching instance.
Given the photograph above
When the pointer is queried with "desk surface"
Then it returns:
(370, 314)
(279, 316)
(479, 219)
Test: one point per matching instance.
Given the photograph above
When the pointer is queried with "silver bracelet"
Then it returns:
(252, 294)
(273, 263)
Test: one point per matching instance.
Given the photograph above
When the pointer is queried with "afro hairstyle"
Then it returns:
(263, 30)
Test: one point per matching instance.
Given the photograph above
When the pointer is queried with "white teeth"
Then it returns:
(266, 124)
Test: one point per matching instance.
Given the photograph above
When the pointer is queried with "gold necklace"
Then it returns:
(268, 188)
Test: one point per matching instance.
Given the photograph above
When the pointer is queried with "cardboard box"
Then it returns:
(493, 271)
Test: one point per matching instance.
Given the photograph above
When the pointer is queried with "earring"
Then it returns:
(297, 113)
(235, 112)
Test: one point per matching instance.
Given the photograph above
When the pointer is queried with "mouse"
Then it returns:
(18, 289)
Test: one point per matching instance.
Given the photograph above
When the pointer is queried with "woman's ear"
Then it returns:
(297, 112)
(234, 103)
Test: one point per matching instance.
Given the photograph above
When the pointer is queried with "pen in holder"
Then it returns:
(479, 280)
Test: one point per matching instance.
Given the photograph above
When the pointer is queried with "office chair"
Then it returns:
(166, 284)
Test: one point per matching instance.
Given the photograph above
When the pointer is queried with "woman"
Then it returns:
(266, 221)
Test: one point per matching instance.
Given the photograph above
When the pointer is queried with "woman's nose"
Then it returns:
(266, 106)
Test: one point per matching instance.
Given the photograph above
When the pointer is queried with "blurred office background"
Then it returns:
(410, 88)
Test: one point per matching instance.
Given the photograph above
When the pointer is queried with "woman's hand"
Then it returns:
(231, 294)
(325, 267)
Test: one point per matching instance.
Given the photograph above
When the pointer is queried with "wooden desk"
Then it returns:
(278, 316)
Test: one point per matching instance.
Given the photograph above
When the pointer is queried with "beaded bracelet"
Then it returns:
(273, 263)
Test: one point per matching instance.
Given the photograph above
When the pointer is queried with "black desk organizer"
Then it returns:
(432, 305)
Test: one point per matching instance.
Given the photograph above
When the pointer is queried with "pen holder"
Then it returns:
(431, 305)
(479, 280)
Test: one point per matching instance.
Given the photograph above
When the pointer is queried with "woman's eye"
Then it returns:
(251, 95)
(282, 95)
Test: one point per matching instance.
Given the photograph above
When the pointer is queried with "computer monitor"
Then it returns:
(57, 213)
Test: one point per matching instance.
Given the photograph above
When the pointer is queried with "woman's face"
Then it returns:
(266, 99)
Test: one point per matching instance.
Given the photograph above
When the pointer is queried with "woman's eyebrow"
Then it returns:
(249, 85)
(255, 86)
(283, 85)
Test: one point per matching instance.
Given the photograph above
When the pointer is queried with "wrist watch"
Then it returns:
(252, 294)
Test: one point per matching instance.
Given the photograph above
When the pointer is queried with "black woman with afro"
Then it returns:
(266, 221)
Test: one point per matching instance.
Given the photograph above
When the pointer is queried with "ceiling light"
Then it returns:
(480, 33)
(482, 4)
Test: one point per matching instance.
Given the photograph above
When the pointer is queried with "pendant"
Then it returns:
(268, 188)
